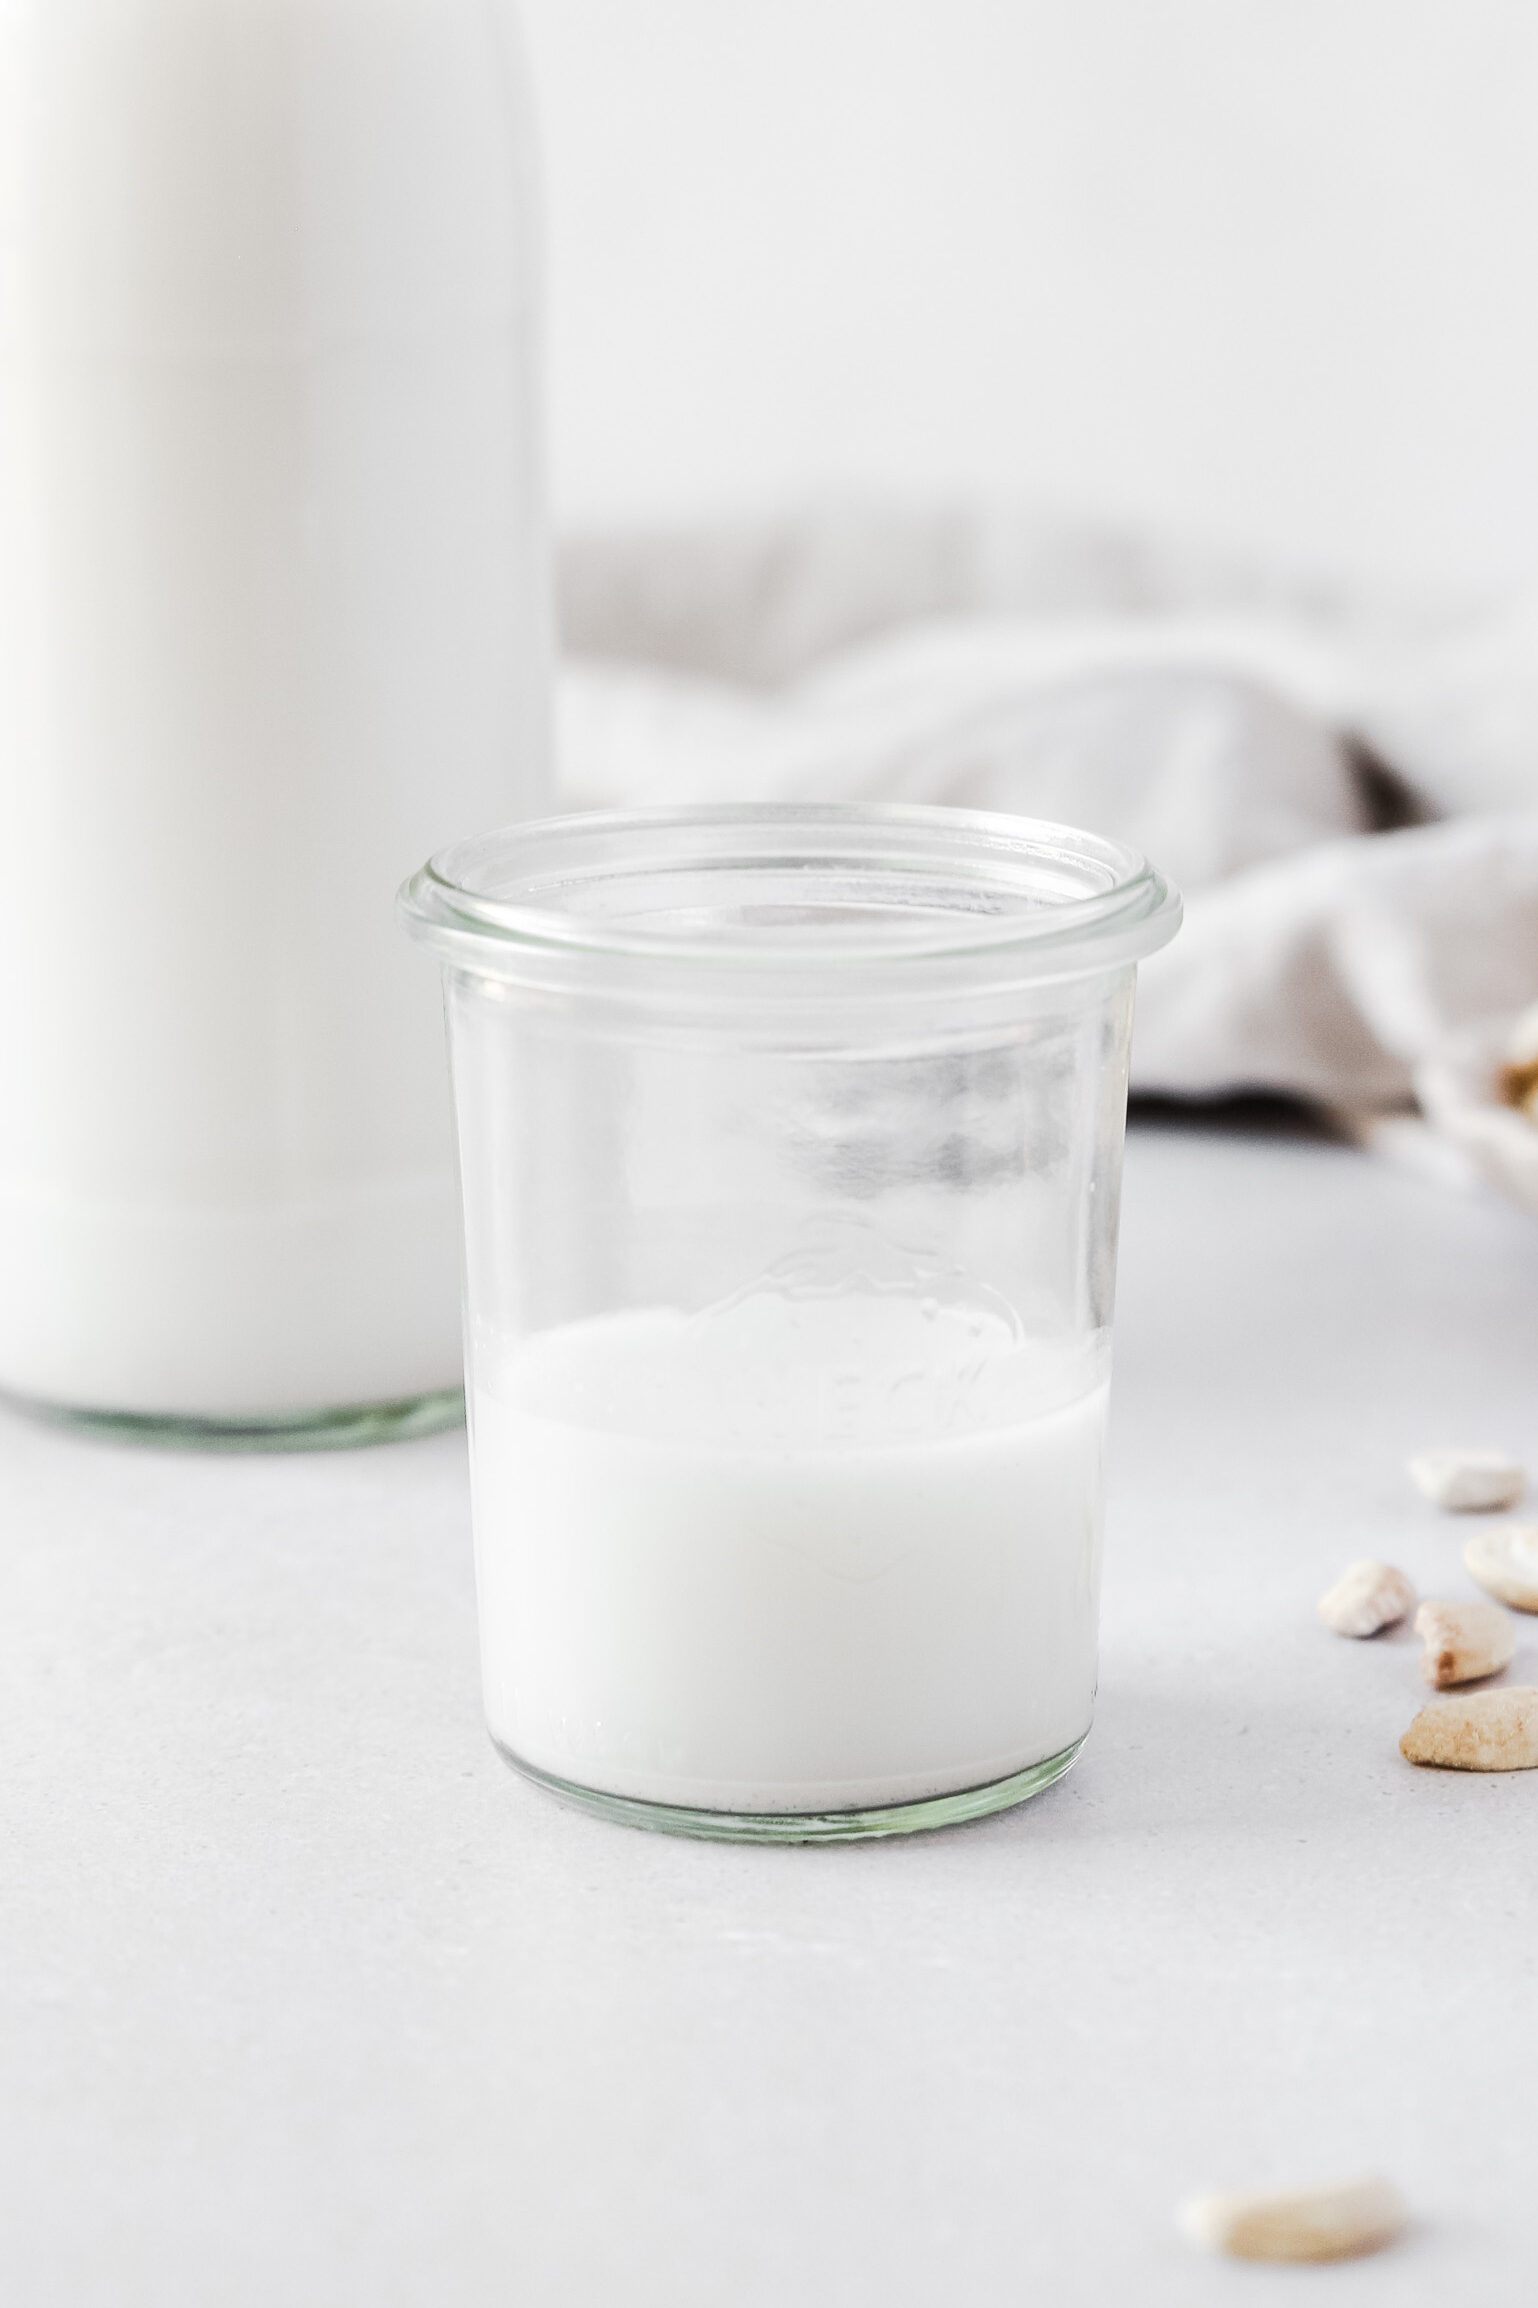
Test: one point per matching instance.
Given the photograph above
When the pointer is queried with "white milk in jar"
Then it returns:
(794, 1555)
(272, 625)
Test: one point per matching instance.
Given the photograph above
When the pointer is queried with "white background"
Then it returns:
(1266, 269)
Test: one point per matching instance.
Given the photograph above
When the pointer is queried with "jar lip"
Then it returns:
(920, 884)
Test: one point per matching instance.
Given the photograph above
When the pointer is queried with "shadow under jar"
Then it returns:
(791, 1147)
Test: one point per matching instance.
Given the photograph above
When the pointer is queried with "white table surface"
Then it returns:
(307, 1999)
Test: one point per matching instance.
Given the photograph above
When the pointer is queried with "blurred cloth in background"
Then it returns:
(1344, 787)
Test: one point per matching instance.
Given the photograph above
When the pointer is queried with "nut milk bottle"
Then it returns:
(272, 627)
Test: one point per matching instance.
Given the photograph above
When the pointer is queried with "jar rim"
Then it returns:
(788, 890)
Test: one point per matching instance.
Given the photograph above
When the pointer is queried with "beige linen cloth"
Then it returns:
(1345, 790)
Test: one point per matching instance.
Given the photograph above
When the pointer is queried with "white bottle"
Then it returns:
(272, 628)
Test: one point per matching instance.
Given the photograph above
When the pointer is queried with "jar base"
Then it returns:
(805, 1826)
(351, 1427)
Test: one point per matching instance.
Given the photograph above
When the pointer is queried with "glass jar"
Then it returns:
(790, 1145)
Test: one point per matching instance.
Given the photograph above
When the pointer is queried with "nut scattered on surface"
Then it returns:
(1505, 1563)
(1468, 1482)
(1464, 1641)
(1518, 1086)
(1481, 1731)
(1517, 1082)
(1339, 2223)
(1369, 1597)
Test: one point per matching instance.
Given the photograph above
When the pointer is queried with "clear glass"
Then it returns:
(790, 1145)
(272, 623)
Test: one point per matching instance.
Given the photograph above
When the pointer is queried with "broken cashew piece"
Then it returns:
(1339, 2223)
(1464, 1641)
(1367, 1598)
(1505, 1563)
(1468, 1482)
(1479, 1731)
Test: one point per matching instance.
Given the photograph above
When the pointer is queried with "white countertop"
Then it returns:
(308, 2000)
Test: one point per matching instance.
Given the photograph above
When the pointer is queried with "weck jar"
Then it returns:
(790, 1144)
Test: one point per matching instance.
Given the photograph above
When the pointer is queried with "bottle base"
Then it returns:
(352, 1427)
(805, 1826)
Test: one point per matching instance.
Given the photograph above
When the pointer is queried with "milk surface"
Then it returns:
(272, 628)
(788, 1557)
